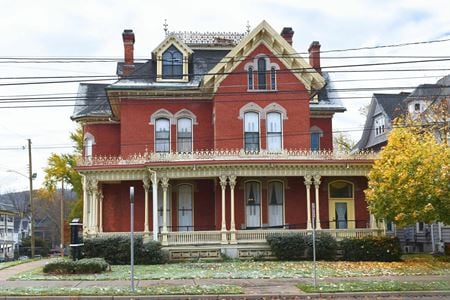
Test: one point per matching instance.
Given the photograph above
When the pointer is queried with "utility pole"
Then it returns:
(62, 219)
(30, 178)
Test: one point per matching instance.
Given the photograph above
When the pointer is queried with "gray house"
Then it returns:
(382, 110)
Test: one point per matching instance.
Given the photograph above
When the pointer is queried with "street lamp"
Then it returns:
(30, 178)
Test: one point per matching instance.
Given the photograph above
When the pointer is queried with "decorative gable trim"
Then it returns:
(163, 46)
(265, 34)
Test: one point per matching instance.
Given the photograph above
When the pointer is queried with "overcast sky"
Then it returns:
(93, 29)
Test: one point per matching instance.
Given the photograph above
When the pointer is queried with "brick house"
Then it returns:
(225, 138)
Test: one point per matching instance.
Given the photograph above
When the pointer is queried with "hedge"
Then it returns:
(116, 250)
(326, 246)
(82, 266)
(287, 246)
(371, 248)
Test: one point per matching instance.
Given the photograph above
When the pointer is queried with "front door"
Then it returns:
(185, 215)
(253, 204)
(341, 215)
(275, 199)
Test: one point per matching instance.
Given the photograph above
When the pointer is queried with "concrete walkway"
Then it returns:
(252, 288)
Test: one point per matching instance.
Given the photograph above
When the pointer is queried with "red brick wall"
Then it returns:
(138, 134)
(107, 138)
(325, 124)
(232, 95)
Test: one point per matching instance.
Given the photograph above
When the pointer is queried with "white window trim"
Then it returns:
(170, 135)
(316, 129)
(250, 107)
(418, 227)
(281, 129)
(88, 136)
(161, 113)
(283, 189)
(259, 128)
(381, 127)
(269, 65)
(192, 131)
(260, 200)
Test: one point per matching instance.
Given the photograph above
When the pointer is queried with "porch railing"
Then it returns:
(180, 238)
(226, 155)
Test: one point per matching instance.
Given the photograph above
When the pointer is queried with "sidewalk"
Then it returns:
(252, 288)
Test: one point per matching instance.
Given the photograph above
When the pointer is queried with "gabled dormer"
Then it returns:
(172, 60)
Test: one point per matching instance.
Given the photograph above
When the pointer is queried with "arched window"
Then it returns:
(275, 203)
(162, 135)
(251, 132)
(273, 78)
(250, 78)
(184, 135)
(172, 64)
(273, 122)
(88, 144)
(262, 85)
(253, 204)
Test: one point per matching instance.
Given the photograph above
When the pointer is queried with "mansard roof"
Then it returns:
(91, 102)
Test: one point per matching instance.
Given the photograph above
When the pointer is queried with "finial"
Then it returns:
(248, 26)
(165, 26)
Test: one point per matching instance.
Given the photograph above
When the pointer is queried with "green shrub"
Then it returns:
(116, 250)
(82, 266)
(326, 246)
(288, 246)
(371, 248)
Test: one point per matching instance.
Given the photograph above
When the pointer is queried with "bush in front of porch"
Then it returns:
(116, 250)
(371, 248)
(296, 246)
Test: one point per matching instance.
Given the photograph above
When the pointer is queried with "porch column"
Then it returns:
(146, 185)
(165, 186)
(232, 182)
(95, 208)
(85, 204)
(92, 192)
(155, 206)
(373, 222)
(308, 183)
(100, 207)
(223, 230)
(316, 185)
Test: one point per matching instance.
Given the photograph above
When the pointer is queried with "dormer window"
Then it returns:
(417, 107)
(379, 125)
(172, 64)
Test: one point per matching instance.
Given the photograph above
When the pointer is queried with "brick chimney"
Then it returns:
(287, 33)
(314, 56)
(128, 44)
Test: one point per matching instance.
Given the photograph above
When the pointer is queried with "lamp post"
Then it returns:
(30, 178)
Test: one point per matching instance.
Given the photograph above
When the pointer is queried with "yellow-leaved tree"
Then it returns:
(410, 181)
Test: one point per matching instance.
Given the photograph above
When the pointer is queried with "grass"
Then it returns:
(257, 269)
(376, 286)
(13, 263)
(121, 291)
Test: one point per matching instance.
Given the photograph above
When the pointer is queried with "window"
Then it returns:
(341, 189)
(275, 199)
(251, 132)
(253, 203)
(184, 135)
(172, 64)
(273, 78)
(88, 143)
(273, 122)
(315, 141)
(262, 73)
(250, 78)
(420, 226)
(162, 135)
(379, 125)
(417, 107)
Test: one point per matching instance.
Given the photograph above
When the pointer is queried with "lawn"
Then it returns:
(425, 265)
(13, 263)
(214, 289)
(375, 286)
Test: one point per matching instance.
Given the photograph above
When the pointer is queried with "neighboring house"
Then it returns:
(420, 103)
(224, 138)
(7, 244)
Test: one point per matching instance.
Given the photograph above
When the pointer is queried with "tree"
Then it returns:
(409, 183)
(343, 142)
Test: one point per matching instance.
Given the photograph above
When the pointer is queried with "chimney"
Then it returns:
(128, 44)
(314, 56)
(287, 33)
